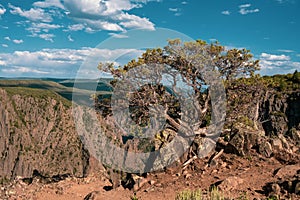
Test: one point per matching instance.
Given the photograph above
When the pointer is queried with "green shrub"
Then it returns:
(189, 195)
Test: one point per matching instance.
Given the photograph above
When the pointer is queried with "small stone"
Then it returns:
(275, 188)
(140, 183)
(187, 176)
(152, 182)
(287, 171)
(266, 149)
(228, 167)
(285, 143)
(277, 144)
(224, 164)
(230, 183)
(91, 196)
(296, 136)
(185, 172)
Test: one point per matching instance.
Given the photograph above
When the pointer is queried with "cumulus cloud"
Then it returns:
(244, 9)
(277, 64)
(108, 15)
(34, 14)
(49, 3)
(18, 41)
(91, 16)
(4, 45)
(272, 57)
(58, 62)
(226, 12)
(7, 38)
(2, 10)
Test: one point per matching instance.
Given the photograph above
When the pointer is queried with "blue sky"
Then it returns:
(52, 38)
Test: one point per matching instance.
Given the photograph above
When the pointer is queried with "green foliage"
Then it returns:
(134, 197)
(246, 121)
(215, 194)
(37, 93)
(278, 114)
(4, 180)
(189, 195)
(283, 83)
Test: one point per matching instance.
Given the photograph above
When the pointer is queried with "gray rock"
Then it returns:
(266, 149)
(287, 171)
(230, 183)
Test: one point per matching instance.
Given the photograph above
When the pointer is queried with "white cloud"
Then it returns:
(76, 27)
(18, 41)
(285, 50)
(4, 45)
(272, 57)
(277, 64)
(4, 27)
(285, 1)
(115, 35)
(184, 2)
(108, 15)
(244, 11)
(91, 16)
(95, 25)
(70, 38)
(7, 38)
(173, 9)
(58, 62)
(2, 10)
(34, 14)
(48, 37)
(245, 6)
(41, 30)
(49, 3)
(132, 21)
(2, 63)
(22, 70)
(37, 28)
(226, 12)
(46, 26)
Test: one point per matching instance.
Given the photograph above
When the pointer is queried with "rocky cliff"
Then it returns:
(37, 135)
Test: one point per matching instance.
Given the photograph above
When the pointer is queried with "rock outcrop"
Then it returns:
(37, 134)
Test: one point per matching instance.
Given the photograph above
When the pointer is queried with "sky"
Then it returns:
(62, 38)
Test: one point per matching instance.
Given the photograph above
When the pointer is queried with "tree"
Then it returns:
(187, 59)
(183, 88)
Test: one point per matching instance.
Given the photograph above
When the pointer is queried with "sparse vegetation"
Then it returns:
(189, 195)
(213, 194)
